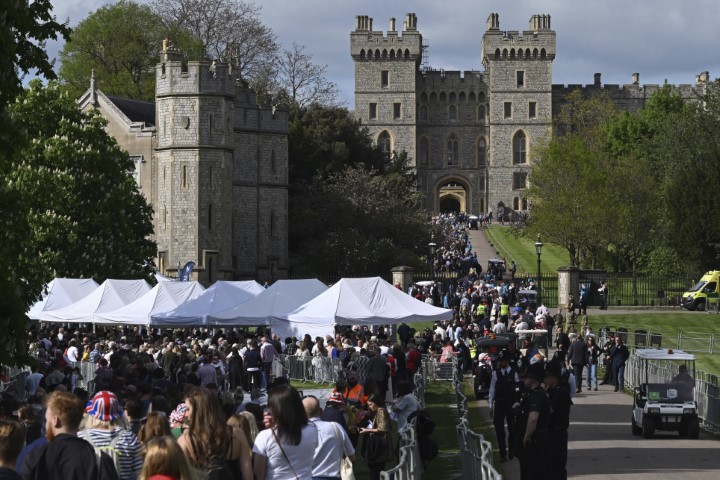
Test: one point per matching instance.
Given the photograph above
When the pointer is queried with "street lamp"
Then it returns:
(432, 246)
(538, 249)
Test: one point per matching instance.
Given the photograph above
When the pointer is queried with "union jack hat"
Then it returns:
(104, 406)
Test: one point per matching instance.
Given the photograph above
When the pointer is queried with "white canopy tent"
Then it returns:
(279, 299)
(163, 297)
(111, 295)
(356, 301)
(219, 297)
(62, 292)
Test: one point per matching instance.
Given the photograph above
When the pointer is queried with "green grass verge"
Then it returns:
(670, 325)
(522, 250)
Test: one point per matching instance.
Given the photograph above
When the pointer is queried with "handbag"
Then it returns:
(346, 466)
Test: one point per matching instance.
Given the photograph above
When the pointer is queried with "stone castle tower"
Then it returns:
(220, 174)
(471, 134)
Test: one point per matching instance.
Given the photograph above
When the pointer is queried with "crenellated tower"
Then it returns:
(518, 68)
(386, 66)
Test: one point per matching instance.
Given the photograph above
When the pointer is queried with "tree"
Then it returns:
(229, 29)
(26, 26)
(121, 44)
(300, 82)
(86, 215)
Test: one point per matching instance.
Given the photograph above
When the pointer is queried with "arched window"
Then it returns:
(385, 144)
(453, 157)
(452, 113)
(519, 148)
(424, 151)
(481, 153)
(516, 203)
(481, 113)
(423, 112)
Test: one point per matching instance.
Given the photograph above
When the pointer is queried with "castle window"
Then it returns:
(520, 78)
(209, 217)
(481, 153)
(524, 204)
(452, 113)
(481, 113)
(424, 151)
(453, 157)
(519, 148)
(162, 69)
(423, 112)
(165, 217)
(532, 110)
(508, 109)
(397, 110)
(385, 144)
(184, 177)
(373, 111)
(164, 177)
(516, 203)
(184, 67)
(519, 181)
(384, 78)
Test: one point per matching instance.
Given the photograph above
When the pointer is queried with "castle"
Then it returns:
(471, 134)
(212, 163)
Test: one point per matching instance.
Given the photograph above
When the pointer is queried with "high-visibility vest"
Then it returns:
(355, 395)
(481, 309)
(472, 348)
(504, 309)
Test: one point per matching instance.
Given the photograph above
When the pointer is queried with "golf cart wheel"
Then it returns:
(700, 305)
(693, 428)
(648, 427)
(637, 431)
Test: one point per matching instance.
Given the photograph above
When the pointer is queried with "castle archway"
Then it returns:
(452, 195)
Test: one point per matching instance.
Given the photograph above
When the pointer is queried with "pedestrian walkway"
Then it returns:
(482, 247)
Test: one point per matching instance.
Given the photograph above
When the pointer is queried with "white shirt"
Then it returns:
(300, 456)
(72, 353)
(333, 443)
(499, 327)
(406, 405)
(541, 311)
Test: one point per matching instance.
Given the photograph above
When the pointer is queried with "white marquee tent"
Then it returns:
(219, 297)
(279, 299)
(62, 292)
(163, 297)
(111, 295)
(356, 301)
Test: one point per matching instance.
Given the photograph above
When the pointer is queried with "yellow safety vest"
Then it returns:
(504, 309)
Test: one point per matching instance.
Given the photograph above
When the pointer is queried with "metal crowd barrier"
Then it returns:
(436, 370)
(410, 464)
(307, 369)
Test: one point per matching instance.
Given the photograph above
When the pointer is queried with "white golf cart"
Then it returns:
(538, 337)
(662, 403)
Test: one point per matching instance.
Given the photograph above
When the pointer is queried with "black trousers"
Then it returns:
(533, 459)
(501, 414)
(577, 371)
(557, 454)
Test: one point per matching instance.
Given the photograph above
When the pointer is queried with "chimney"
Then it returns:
(598, 82)
(493, 22)
(636, 79)
(369, 27)
(392, 24)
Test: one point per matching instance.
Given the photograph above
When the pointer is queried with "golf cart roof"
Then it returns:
(424, 283)
(496, 260)
(501, 342)
(527, 292)
(663, 354)
(531, 332)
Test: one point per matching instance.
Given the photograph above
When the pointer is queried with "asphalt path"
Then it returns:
(601, 444)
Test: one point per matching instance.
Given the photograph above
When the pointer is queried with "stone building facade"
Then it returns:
(214, 167)
(470, 132)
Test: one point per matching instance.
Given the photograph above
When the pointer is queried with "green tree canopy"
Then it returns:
(121, 43)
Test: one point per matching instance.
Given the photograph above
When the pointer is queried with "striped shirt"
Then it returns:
(127, 445)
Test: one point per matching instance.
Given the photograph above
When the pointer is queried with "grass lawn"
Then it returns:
(669, 324)
(522, 250)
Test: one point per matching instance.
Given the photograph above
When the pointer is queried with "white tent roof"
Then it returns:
(219, 297)
(163, 297)
(111, 295)
(281, 298)
(357, 301)
(62, 292)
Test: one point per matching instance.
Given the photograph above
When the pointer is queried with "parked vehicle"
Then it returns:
(488, 350)
(705, 293)
(665, 404)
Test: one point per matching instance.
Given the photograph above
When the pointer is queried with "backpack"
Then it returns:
(109, 450)
(425, 426)
(428, 448)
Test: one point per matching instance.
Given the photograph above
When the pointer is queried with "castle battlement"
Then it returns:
(685, 89)
(538, 43)
(464, 79)
(368, 44)
(174, 76)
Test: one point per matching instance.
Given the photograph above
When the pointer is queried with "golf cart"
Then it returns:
(538, 337)
(528, 300)
(488, 349)
(662, 403)
(496, 268)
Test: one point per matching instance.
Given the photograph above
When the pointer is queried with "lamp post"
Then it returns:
(432, 246)
(538, 249)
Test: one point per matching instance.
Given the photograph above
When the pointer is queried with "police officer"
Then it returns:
(504, 388)
(533, 423)
(560, 402)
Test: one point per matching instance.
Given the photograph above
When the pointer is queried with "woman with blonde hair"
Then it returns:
(163, 458)
(252, 431)
(208, 442)
(156, 425)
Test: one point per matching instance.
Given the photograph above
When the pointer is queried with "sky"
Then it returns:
(660, 39)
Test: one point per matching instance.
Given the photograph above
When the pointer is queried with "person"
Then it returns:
(504, 387)
(242, 422)
(354, 393)
(333, 444)
(267, 355)
(407, 403)
(156, 425)
(335, 410)
(208, 442)
(560, 402)
(105, 427)
(603, 290)
(607, 360)
(592, 357)
(684, 378)
(253, 364)
(576, 357)
(177, 420)
(286, 448)
(12, 441)
(619, 354)
(571, 305)
(66, 455)
(164, 459)
(377, 445)
(584, 294)
(562, 341)
(532, 436)
(252, 424)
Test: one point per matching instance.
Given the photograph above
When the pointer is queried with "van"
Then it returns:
(705, 294)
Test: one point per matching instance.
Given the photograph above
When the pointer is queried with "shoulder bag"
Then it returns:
(346, 466)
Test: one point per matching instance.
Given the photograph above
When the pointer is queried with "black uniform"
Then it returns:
(533, 457)
(506, 388)
(560, 403)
